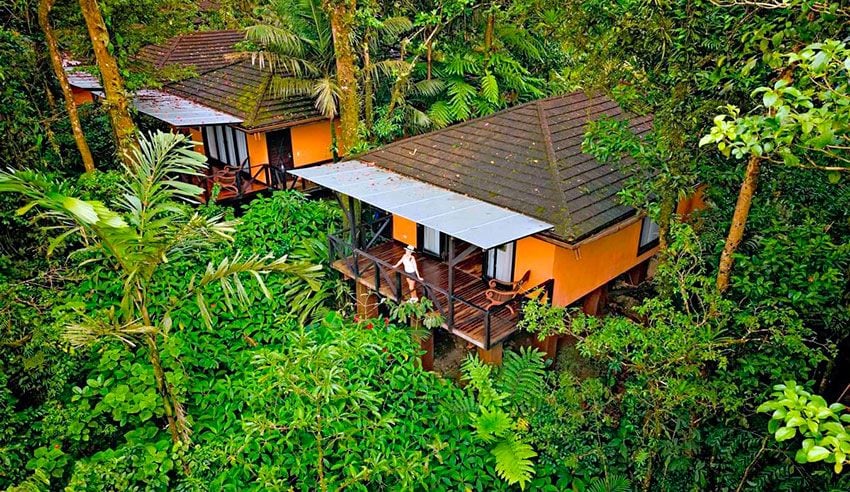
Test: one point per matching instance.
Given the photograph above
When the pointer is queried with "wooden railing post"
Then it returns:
(487, 330)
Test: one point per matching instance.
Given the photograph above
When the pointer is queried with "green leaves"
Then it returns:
(824, 436)
(513, 461)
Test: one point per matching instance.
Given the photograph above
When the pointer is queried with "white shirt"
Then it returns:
(409, 263)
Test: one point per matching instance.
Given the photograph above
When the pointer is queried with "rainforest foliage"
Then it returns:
(148, 342)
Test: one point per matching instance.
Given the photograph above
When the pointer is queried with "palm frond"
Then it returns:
(393, 27)
(91, 330)
(227, 274)
(285, 87)
(284, 65)
(388, 68)
(326, 93)
(276, 39)
(428, 87)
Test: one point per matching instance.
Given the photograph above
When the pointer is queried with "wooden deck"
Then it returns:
(251, 187)
(469, 286)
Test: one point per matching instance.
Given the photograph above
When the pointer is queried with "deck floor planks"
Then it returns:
(469, 286)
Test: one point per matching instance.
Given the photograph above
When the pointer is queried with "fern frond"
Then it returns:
(490, 88)
(513, 461)
(521, 376)
(492, 424)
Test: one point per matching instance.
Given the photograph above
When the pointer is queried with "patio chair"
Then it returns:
(227, 179)
(501, 293)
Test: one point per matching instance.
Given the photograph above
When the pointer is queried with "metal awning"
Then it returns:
(82, 80)
(469, 219)
(176, 110)
(179, 111)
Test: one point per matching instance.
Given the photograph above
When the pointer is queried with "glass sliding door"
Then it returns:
(500, 262)
(227, 145)
(432, 241)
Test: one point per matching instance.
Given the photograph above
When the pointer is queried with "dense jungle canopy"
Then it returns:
(151, 342)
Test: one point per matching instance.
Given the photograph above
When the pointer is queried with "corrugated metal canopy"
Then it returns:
(469, 219)
(179, 111)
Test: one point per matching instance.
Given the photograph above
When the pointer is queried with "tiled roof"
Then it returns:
(242, 89)
(227, 80)
(527, 158)
(202, 51)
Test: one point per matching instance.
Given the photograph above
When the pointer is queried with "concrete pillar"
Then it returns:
(492, 356)
(367, 302)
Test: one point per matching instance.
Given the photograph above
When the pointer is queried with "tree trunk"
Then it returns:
(739, 222)
(488, 34)
(113, 85)
(668, 205)
(341, 13)
(44, 8)
(368, 89)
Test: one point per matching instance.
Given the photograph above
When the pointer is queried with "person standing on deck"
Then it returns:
(410, 268)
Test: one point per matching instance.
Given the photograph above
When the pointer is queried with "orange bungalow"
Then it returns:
(251, 136)
(495, 208)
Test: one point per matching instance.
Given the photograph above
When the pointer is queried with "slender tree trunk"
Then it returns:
(44, 8)
(429, 53)
(48, 122)
(488, 34)
(368, 89)
(341, 13)
(739, 222)
(668, 205)
(174, 414)
(113, 85)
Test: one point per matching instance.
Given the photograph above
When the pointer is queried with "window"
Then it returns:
(227, 145)
(432, 241)
(500, 262)
(648, 235)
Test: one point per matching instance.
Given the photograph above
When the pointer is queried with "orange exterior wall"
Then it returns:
(258, 154)
(81, 96)
(595, 263)
(195, 135)
(538, 257)
(311, 143)
(404, 230)
(694, 202)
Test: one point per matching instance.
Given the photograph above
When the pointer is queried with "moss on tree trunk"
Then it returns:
(44, 8)
(113, 85)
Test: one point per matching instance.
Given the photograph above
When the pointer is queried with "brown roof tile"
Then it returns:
(527, 158)
(242, 89)
(203, 51)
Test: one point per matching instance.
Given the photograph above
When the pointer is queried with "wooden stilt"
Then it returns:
(638, 273)
(594, 301)
(492, 356)
(549, 346)
(367, 302)
(427, 344)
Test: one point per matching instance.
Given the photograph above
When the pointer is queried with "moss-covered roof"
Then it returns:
(227, 80)
(527, 158)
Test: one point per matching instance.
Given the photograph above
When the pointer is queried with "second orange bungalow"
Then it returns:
(495, 208)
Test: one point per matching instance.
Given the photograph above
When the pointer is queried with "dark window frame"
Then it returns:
(643, 248)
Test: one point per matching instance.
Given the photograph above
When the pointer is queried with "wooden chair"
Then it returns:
(226, 178)
(501, 293)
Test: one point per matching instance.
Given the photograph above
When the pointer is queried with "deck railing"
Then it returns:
(363, 264)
